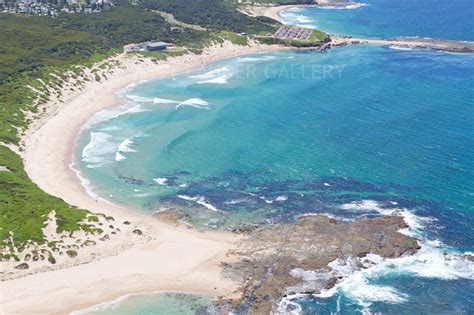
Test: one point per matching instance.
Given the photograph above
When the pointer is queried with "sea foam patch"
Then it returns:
(124, 147)
(212, 74)
(433, 260)
(349, 6)
(256, 59)
(201, 200)
(108, 114)
(194, 102)
(161, 180)
(216, 76)
(99, 147)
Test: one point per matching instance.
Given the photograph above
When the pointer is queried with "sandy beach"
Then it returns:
(164, 258)
(268, 11)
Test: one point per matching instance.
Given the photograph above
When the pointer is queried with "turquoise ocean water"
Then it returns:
(353, 132)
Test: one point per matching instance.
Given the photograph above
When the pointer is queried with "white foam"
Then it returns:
(400, 47)
(326, 214)
(236, 201)
(304, 19)
(255, 59)
(350, 6)
(124, 147)
(212, 74)
(154, 100)
(414, 222)
(100, 145)
(287, 306)
(194, 102)
(219, 80)
(129, 87)
(110, 305)
(157, 100)
(433, 260)
(141, 195)
(161, 180)
(428, 262)
(356, 284)
(86, 184)
(119, 157)
(199, 200)
(140, 99)
(216, 76)
(109, 114)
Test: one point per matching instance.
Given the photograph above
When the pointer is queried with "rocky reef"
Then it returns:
(453, 46)
(271, 262)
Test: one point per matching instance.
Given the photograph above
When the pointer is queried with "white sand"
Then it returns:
(271, 11)
(169, 259)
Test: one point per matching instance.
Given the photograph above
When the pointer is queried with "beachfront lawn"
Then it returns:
(318, 36)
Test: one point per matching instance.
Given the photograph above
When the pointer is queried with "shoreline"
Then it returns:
(169, 258)
(271, 11)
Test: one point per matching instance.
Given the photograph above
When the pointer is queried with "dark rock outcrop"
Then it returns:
(22, 266)
(137, 231)
(170, 215)
(269, 255)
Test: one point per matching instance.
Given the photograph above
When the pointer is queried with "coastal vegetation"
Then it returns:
(212, 14)
(25, 207)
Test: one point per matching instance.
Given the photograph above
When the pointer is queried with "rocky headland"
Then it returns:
(271, 262)
(417, 43)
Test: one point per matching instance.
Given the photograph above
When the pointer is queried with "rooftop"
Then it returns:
(157, 44)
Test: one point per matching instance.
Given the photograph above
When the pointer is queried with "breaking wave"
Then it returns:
(99, 146)
(109, 114)
(350, 6)
(255, 59)
(161, 180)
(201, 200)
(216, 76)
(400, 48)
(433, 260)
(219, 80)
(212, 74)
(154, 100)
(194, 102)
(123, 147)
(157, 100)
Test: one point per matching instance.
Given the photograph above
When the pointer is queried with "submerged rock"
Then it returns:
(276, 261)
(170, 215)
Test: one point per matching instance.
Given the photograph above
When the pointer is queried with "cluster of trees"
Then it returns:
(211, 14)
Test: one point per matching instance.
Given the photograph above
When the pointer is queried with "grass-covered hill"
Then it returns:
(211, 14)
